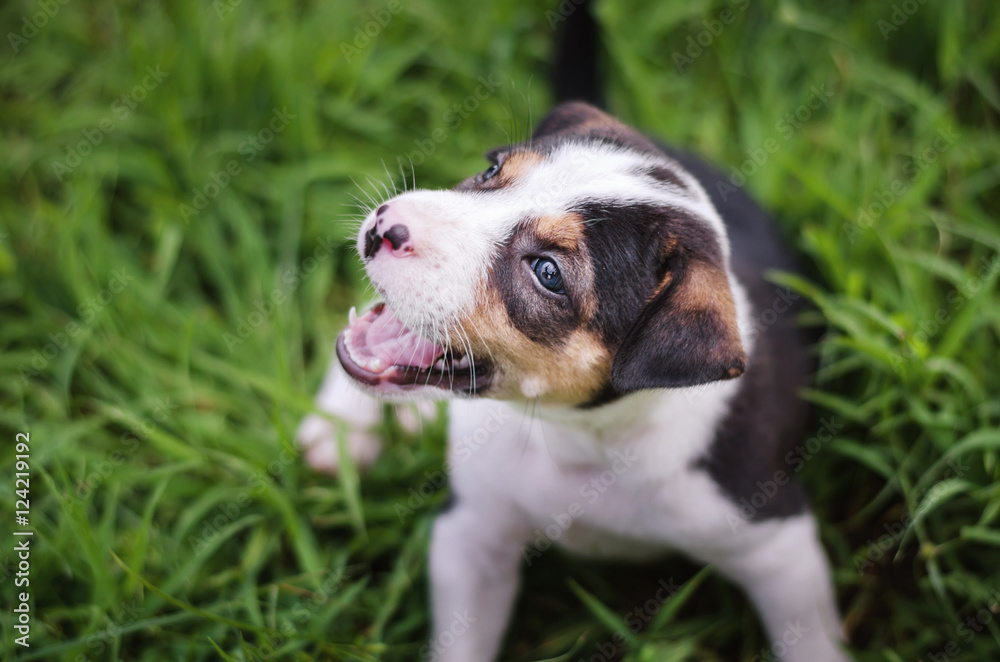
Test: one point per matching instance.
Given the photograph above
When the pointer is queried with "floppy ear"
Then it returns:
(573, 116)
(686, 334)
(575, 119)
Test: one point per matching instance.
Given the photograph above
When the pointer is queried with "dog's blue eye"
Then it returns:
(492, 170)
(548, 275)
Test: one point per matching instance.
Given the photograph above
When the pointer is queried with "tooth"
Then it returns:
(464, 363)
(352, 315)
(375, 365)
(439, 365)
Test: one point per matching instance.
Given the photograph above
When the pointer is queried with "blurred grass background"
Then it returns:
(162, 355)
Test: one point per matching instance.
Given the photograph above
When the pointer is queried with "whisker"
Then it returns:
(391, 180)
(467, 348)
(482, 341)
(363, 190)
(402, 172)
(375, 184)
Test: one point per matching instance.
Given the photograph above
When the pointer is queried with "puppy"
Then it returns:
(589, 278)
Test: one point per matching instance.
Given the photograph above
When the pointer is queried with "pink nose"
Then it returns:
(388, 228)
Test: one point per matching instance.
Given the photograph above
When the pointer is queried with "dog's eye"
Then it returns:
(548, 275)
(490, 172)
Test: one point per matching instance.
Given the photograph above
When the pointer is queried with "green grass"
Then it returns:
(173, 517)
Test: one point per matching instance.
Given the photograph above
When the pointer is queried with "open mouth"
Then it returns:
(377, 349)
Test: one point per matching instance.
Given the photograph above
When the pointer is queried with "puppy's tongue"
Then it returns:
(378, 340)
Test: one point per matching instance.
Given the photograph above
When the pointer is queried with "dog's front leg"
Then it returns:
(787, 576)
(317, 435)
(474, 558)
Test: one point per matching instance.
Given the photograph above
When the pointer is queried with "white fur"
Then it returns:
(317, 435)
(617, 483)
(612, 481)
(636, 496)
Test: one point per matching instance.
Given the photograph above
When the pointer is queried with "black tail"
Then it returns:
(575, 75)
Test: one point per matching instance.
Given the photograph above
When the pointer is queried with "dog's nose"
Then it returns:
(387, 228)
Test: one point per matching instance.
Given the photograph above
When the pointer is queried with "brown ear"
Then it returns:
(686, 335)
(575, 117)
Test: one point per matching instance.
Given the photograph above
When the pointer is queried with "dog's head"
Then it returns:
(579, 266)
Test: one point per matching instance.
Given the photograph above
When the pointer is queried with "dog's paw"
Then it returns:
(317, 437)
(413, 416)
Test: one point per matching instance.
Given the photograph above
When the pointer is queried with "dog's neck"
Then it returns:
(653, 422)
(612, 420)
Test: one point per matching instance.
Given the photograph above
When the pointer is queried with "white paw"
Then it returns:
(413, 416)
(317, 437)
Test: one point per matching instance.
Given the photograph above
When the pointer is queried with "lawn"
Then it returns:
(178, 183)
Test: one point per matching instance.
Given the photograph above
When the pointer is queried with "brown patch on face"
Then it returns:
(517, 165)
(564, 231)
(571, 372)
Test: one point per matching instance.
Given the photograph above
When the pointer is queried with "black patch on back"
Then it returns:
(746, 458)
(767, 417)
